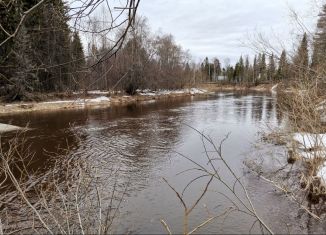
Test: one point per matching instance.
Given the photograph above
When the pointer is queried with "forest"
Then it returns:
(43, 52)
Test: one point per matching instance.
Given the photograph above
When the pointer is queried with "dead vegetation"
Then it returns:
(67, 198)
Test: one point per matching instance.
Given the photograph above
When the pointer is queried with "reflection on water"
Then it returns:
(141, 140)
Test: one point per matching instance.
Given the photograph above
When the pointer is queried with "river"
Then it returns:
(144, 140)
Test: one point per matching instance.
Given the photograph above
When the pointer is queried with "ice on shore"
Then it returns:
(8, 128)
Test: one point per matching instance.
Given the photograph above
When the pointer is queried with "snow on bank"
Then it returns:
(273, 89)
(311, 146)
(322, 173)
(95, 92)
(191, 91)
(80, 101)
(322, 109)
(98, 100)
(8, 128)
(310, 141)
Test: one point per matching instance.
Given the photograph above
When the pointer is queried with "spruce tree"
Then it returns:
(10, 13)
(247, 69)
(255, 70)
(77, 59)
(271, 68)
(282, 71)
(262, 67)
(241, 70)
(301, 59)
(319, 52)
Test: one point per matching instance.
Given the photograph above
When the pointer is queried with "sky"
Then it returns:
(227, 28)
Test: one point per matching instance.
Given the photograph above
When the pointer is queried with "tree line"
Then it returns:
(145, 61)
(305, 62)
(48, 55)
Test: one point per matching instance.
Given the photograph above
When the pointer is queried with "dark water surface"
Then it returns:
(142, 140)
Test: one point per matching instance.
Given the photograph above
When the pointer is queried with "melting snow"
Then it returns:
(311, 146)
(8, 128)
(80, 101)
(310, 141)
(98, 99)
(192, 91)
(322, 173)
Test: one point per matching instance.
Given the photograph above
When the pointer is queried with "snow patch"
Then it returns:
(311, 146)
(192, 91)
(8, 128)
(310, 141)
(80, 101)
(322, 173)
(94, 92)
(98, 92)
(59, 102)
(98, 100)
(273, 89)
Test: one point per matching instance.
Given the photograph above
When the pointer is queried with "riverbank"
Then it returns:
(102, 99)
(215, 87)
(96, 99)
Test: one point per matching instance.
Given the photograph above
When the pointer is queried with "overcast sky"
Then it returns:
(220, 27)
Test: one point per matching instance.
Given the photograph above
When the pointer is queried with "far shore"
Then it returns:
(102, 99)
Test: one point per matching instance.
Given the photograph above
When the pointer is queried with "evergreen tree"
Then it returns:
(209, 69)
(301, 59)
(319, 52)
(230, 73)
(271, 68)
(255, 70)
(77, 59)
(10, 13)
(247, 69)
(282, 71)
(262, 67)
(217, 67)
(40, 52)
(241, 70)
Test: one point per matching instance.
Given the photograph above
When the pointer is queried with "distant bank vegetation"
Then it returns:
(52, 46)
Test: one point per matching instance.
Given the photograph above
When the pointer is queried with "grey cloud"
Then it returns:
(216, 27)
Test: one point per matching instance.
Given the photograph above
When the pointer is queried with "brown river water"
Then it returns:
(143, 140)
